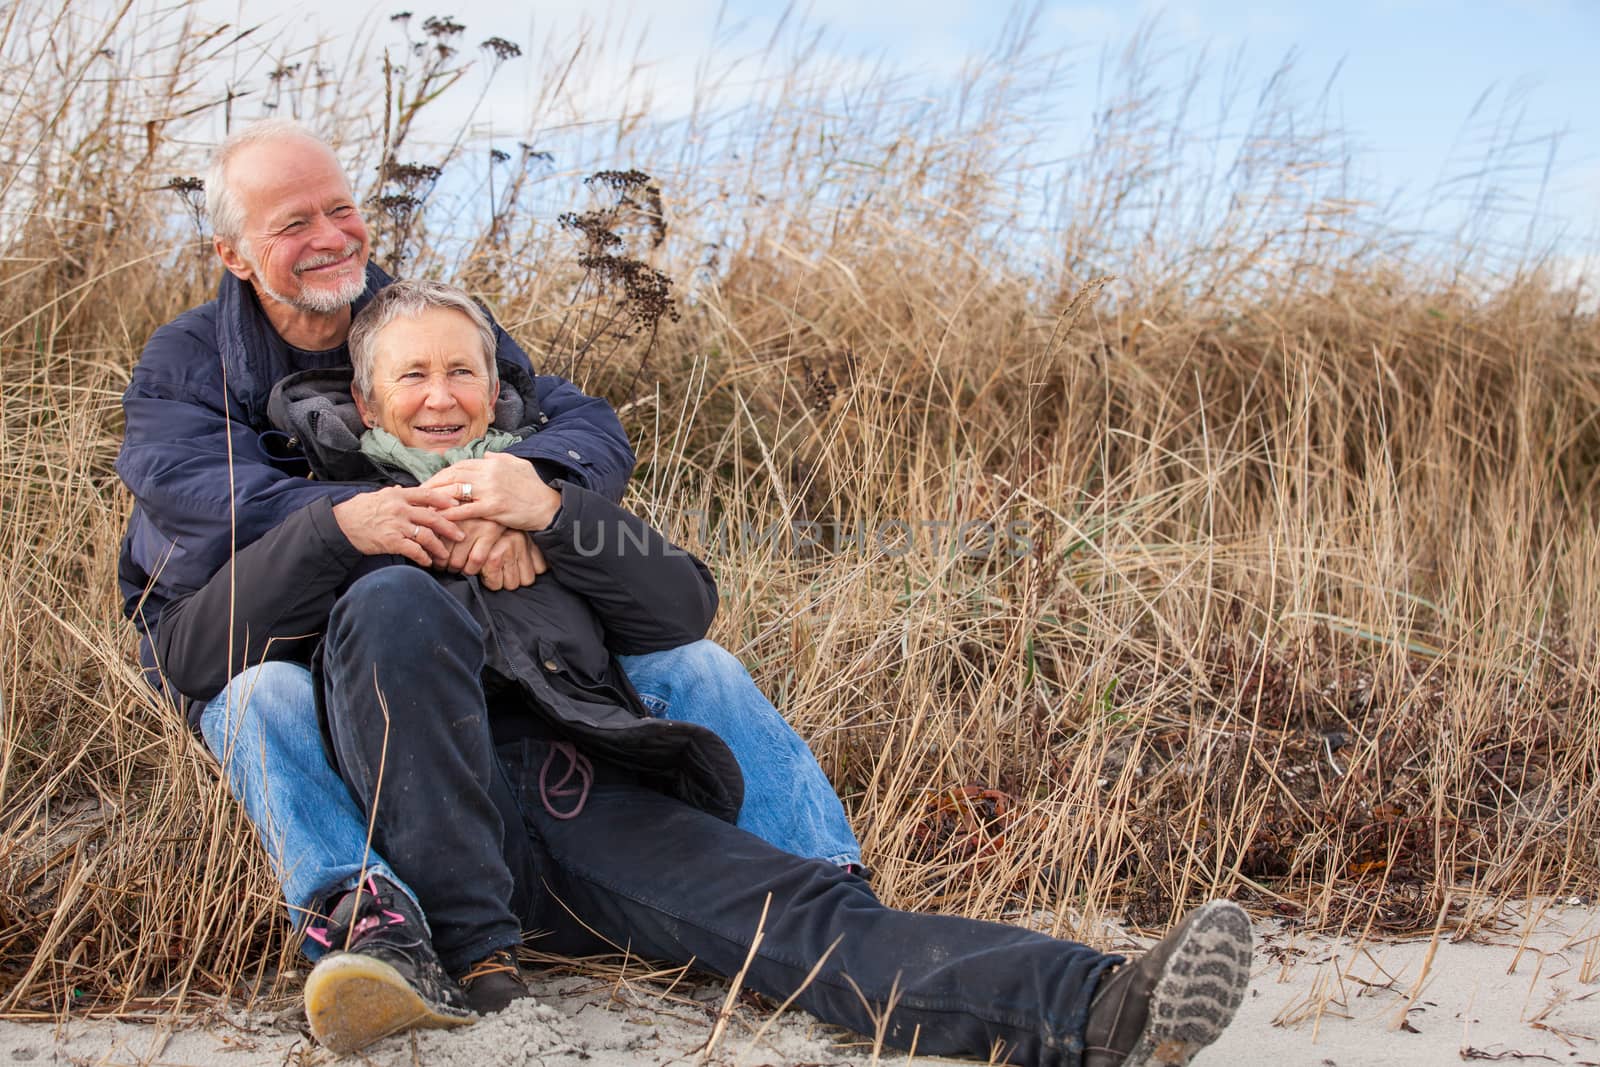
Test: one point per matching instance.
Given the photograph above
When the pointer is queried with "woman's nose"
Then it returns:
(439, 395)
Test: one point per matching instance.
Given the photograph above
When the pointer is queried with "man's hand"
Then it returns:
(401, 521)
(499, 486)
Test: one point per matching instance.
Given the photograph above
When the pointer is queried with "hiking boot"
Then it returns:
(1176, 999)
(494, 982)
(382, 975)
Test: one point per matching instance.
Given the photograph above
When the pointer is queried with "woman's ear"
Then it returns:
(367, 417)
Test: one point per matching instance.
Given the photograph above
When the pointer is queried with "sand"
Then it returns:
(1525, 991)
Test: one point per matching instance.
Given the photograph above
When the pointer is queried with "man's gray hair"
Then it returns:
(227, 217)
(410, 299)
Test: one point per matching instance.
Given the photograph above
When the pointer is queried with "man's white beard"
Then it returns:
(315, 301)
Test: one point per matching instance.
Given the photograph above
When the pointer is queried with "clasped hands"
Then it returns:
(473, 517)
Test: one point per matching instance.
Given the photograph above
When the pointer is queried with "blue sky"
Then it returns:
(1406, 74)
(1406, 78)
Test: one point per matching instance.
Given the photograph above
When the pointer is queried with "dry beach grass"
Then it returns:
(1294, 598)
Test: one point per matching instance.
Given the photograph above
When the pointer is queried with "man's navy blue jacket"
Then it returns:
(209, 475)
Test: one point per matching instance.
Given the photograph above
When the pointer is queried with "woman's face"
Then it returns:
(430, 381)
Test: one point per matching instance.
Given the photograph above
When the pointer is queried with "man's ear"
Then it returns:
(231, 259)
(367, 416)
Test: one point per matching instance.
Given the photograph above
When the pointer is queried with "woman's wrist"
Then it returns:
(546, 508)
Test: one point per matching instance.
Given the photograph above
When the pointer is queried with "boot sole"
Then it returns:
(354, 1000)
(1200, 988)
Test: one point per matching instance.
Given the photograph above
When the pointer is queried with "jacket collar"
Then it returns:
(253, 355)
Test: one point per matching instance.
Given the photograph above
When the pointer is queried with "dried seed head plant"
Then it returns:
(1202, 533)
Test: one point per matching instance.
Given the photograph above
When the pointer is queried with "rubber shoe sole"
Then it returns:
(354, 1000)
(1199, 990)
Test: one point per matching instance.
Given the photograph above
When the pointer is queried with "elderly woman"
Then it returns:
(514, 781)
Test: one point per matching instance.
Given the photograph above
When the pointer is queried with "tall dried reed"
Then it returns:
(1267, 567)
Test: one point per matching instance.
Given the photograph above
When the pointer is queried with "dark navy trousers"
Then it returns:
(467, 826)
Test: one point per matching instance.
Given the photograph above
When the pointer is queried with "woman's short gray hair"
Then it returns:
(410, 299)
(227, 217)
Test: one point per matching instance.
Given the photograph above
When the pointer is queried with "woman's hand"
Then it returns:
(503, 558)
(499, 486)
(514, 562)
(400, 521)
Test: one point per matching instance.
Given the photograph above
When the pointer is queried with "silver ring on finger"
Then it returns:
(464, 491)
(414, 531)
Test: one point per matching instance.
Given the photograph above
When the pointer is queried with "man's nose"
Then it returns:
(326, 234)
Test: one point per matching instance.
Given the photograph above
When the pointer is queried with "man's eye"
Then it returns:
(342, 211)
(464, 372)
(411, 376)
(298, 224)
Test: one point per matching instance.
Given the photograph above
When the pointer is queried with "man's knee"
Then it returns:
(276, 697)
(687, 669)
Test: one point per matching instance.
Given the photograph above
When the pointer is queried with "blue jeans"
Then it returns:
(471, 827)
(263, 728)
(788, 801)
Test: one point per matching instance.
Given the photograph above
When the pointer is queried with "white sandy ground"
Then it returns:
(1526, 991)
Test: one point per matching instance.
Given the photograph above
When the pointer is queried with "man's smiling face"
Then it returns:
(303, 244)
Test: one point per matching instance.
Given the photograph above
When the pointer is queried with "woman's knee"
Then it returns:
(399, 588)
(396, 604)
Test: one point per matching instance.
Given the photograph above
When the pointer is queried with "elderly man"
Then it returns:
(210, 477)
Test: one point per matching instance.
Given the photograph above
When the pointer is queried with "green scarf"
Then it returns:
(385, 448)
